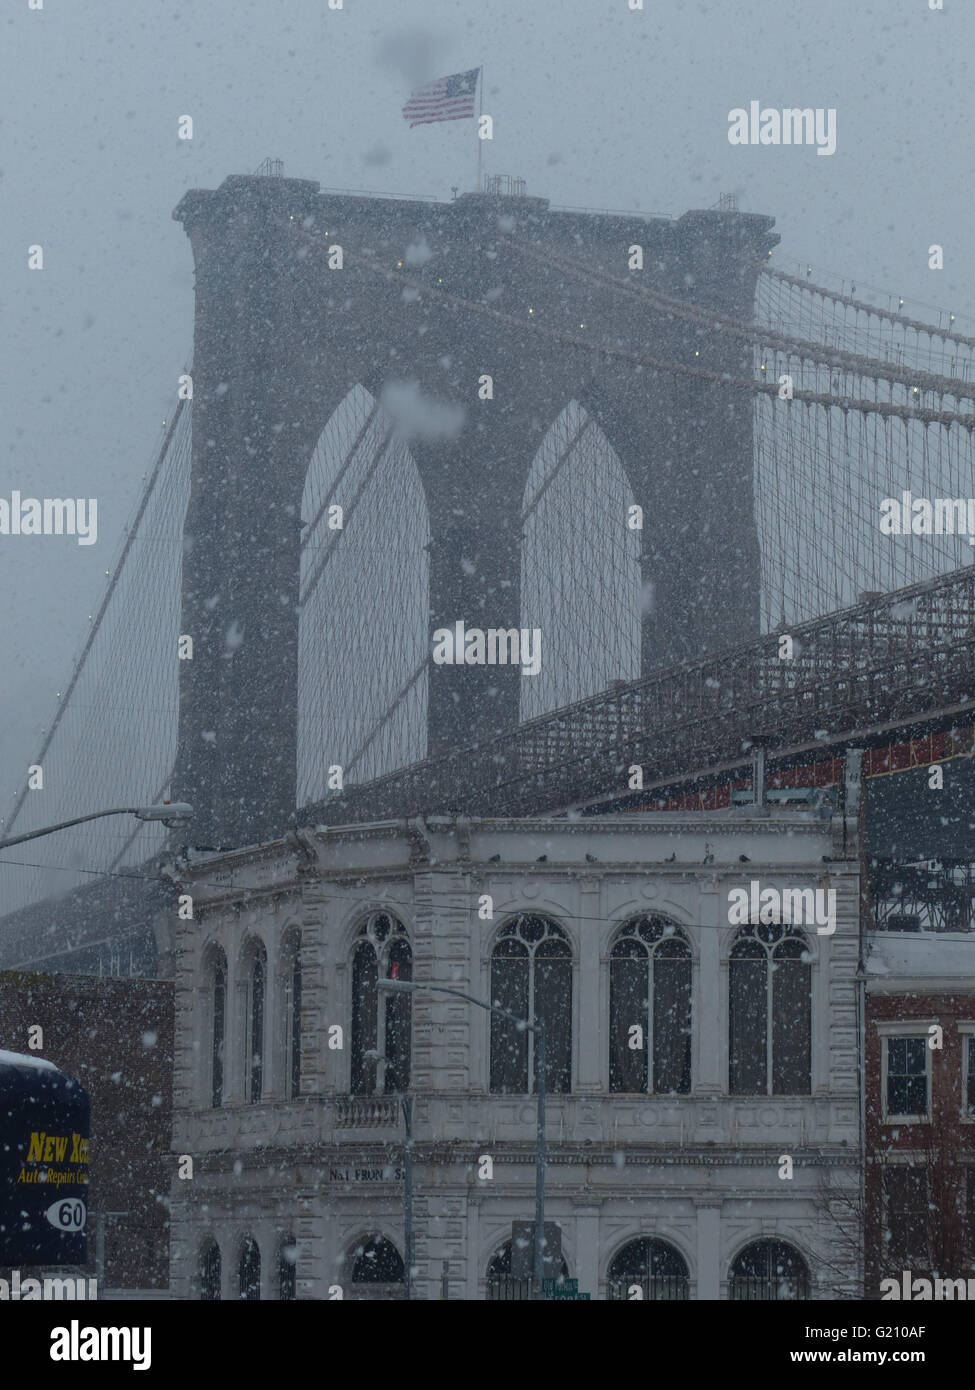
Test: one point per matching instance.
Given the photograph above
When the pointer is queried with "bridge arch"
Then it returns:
(580, 565)
(363, 600)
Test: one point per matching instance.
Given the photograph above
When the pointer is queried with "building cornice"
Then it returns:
(514, 1154)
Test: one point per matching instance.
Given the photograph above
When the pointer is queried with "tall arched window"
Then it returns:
(255, 1021)
(770, 1014)
(291, 971)
(531, 975)
(769, 1269)
(650, 1009)
(210, 1272)
(377, 1261)
(381, 1024)
(218, 1024)
(655, 1267)
(249, 1269)
(288, 1269)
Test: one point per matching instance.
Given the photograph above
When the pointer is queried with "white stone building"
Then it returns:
(666, 1168)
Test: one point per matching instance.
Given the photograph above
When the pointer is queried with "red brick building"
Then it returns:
(116, 1037)
(919, 1105)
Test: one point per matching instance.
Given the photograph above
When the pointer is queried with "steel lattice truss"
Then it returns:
(936, 896)
(900, 657)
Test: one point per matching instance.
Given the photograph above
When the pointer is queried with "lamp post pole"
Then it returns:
(406, 1102)
(539, 1263)
(535, 1026)
(170, 813)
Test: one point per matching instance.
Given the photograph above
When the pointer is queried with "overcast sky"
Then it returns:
(594, 104)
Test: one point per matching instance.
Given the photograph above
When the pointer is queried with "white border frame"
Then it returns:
(905, 1028)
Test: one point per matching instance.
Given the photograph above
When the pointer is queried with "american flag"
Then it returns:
(447, 99)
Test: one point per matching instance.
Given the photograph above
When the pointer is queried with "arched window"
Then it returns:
(504, 1286)
(218, 1024)
(210, 1271)
(249, 1269)
(650, 1009)
(291, 970)
(531, 976)
(769, 1269)
(288, 1269)
(377, 1261)
(655, 1267)
(254, 1022)
(381, 1025)
(770, 1014)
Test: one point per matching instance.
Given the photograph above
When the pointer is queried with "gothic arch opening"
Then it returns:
(580, 566)
(363, 603)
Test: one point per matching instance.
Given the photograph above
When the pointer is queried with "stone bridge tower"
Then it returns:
(281, 335)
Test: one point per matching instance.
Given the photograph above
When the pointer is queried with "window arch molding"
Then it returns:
(352, 923)
(670, 913)
(651, 968)
(660, 1264)
(761, 1247)
(251, 941)
(376, 1245)
(552, 911)
(730, 934)
(555, 915)
(676, 1240)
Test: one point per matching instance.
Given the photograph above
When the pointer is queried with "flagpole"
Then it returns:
(480, 142)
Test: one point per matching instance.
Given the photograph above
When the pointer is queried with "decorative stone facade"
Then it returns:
(322, 1172)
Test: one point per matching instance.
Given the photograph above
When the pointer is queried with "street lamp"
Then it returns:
(537, 1027)
(169, 812)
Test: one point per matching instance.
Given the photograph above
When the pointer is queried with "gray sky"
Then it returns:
(594, 105)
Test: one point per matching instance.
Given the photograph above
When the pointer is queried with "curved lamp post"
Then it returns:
(169, 812)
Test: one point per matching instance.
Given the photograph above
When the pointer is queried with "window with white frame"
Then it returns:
(906, 1080)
